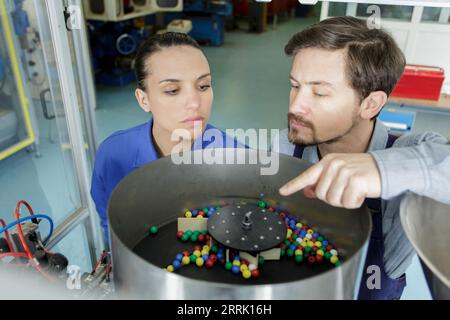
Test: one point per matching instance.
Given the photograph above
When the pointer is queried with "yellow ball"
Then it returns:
(205, 247)
(199, 262)
(299, 225)
(310, 231)
(170, 268)
(298, 252)
(334, 259)
(188, 214)
(310, 244)
(243, 267)
(246, 274)
(318, 244)
(236, 263)
(320, 252)
(199, 217)
(197, 253)
(185, 260)
(304, 244)
(205, 252)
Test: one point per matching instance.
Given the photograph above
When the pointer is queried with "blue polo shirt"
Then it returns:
(126, 150)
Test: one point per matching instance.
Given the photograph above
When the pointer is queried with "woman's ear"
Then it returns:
(142, 99)
(372, 104)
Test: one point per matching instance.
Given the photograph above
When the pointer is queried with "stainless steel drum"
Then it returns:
(427, 226)
(157, 194)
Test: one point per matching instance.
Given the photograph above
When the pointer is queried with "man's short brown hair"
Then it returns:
(373, 60)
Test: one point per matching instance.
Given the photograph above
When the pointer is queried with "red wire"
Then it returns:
(22, 238)
(14, 254)
(8, 239)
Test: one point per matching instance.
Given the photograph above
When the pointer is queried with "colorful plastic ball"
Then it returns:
(201, 238)
(185, 237)
(325, 242)
(180, 234)
(327, 255)
(308, 249)
(188, 214)
(205, 210)
(282, 215)
(185, 260)
(154, 230)
(290, 252)
(199, 262)
(338, 263)
(205, 257)
(255, 274)
(243, 267)
(333, 252)
(228, 265)
(261, 260)
(298, 252)
(251, 267)
(206, 247)
(236, 263)
(298, 258)
(197, 253)
(170, 268)
(213, 257)
(179, 257)
(311, 260)
(282, 252)
(262, 204)
(193, 258)
(220, 256)
(334, 259)
(201, 213)
(236, 257)
(318, 244)
(319, 258)
(209, 264)
(329, 247)
(176, 264)
(246, 274)
(320, 252)
(235, 269)
(214, 248)
(199, 217)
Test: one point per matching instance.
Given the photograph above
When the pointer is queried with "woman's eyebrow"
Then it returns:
(177, 80)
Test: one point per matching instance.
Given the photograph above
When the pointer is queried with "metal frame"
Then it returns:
(86, 214)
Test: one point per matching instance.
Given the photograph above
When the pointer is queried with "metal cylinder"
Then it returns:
(157, 194)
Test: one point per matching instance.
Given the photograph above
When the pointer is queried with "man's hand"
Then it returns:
(341, 180)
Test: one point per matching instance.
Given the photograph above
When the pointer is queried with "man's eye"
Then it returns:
(320, 95)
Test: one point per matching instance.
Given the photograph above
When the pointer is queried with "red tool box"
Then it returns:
(420, 82)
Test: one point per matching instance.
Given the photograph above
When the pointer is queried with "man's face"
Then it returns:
(323, 106)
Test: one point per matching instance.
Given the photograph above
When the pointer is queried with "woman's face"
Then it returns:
(178, 90)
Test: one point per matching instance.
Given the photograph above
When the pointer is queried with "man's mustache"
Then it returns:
(298, 118)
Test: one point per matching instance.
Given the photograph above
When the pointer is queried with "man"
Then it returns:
(341, 77)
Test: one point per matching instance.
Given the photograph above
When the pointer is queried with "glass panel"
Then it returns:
(47, 178)
(431, 14)
(337, 9)
(403, 13)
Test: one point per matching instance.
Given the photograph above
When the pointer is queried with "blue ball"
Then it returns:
(315, 235)
(293, 247)
(286, 219)
(179, 257)
(209, 214)
(212, 209)
(176, 264)
(220, 256)
(292, 221)
(237, 258)
(235, 269)
(325, 242)
(205, 257)
(194, 213)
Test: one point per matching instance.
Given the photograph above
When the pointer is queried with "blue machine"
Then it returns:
(398, 121)
(207, 18)
(113, 46)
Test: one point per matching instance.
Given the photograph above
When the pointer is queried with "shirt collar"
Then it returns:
(146, 150)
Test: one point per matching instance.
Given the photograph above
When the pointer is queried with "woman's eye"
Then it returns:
(294, 86)
(320, 94)
(205, 87)
(171, 92)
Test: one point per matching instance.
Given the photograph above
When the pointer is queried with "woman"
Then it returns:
(174, 85)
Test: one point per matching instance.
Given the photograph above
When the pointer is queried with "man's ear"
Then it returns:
(142, 99)
(373, 104)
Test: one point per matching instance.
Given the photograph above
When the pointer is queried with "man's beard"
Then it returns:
(293, 133)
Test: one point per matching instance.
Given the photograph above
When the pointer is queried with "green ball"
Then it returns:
(294, 236)
(184, 237)
(320, 239)
(205, 210)
(204, 232)
(308, 249)
(262, 204)
(193, 258)
(290, 252)
(287, 242)
(228, 265)
(338, 263)
(261, 260)
(214, 248)
(194, 238)
(327, 255)
(188, 232)
(298, 258)
(282, 252)
(218, 208)
(154, 230)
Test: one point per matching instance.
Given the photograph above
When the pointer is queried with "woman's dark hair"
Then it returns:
(373, 59)
(155, 44)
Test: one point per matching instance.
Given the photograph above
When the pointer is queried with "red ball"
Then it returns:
(271, 209)
(213, 257)
(209, 264)
(329, 247)
(207, 238)
(255, 273)
(180, 234)
(311, 260)
(186, 253)
(245, 261)
(305, 228)
(300, 247)
(201, 213)
(296, 232)
(199, 248)
(283, 246)
(282, 215)
(313, 239)
(201, 238)
(314, 248)
(319, 258)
